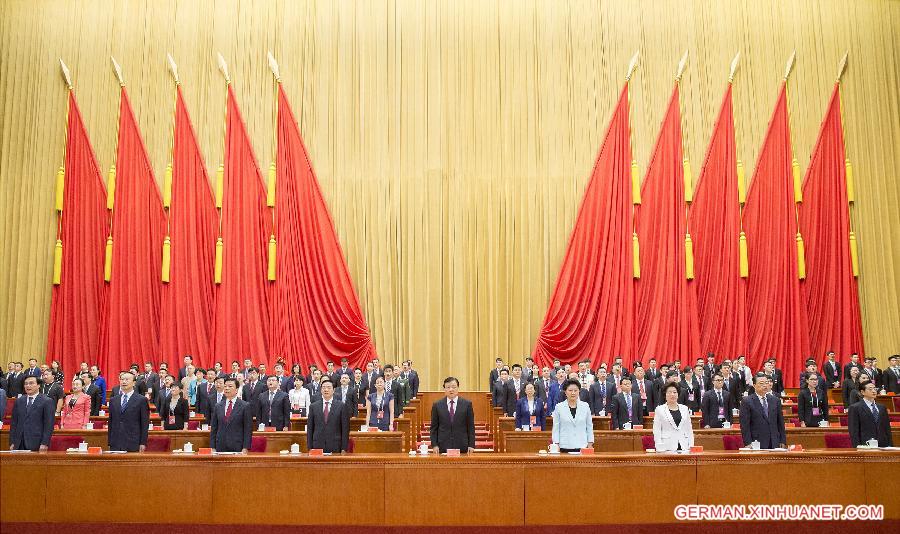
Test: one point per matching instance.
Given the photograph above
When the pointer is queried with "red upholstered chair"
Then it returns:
(843, 420)
(350, 445)
(258, 444)
(837, 441)
(9, 405)
(61, 443)
(894, 418)
(158, 444)
(732, 442)
(795, 421)
(648, 442)
(896, 404)
(193, 425)
(99, 425)
(795, 409)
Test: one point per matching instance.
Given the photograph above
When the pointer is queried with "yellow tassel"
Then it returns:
(744, 261)
(60, 185)
(218, 268)
(636, 251)
(111, 187)
(272, 246)
(270, 191)
(107, 260)
(688, 257)
(635, 183)
(220, 184)
(801, 257)
(688, 182)
(57, 262)
(166, 259)
(851, 189)
(167, 187)
(854, 255)
(742, 184)
(798, 184)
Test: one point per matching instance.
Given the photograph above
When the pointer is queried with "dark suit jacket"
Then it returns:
(504, 397)
(686, 392)
(493, 377)
(710, 408)
(456, 434)
(332, 435)
(182, 413)
(847, 368)
(204, 406)
(891, 381)
(55, 392)
(600, 400)
(862, 426)
(128, 428)
(249, 394)
(281, 410)
(805, 407)
(767, 428)
(414, 382)
(650, 392)
(352, 400)
(234, 434)
(540, 390)
(651, 374)
(619, 411)
(523, 416)
(315, 393)
(832, 374)
(15, 384)
(32, 427)
(847, 388)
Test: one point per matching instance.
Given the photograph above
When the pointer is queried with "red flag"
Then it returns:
(187, 302)
(76, 303)
(130, 331)
(316, 313)
(665, 301)
(715, 223)
(776, 311)
(831, 294)
(241, 324)
(591, 313)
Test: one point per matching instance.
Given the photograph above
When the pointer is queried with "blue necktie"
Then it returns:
(875, 412)
(628, 402)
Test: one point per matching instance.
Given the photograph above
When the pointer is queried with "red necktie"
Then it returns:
(452, 411)
(228, 411)
(643, 395)
(327, 404)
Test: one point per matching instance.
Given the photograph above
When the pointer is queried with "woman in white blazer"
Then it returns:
(672, 429)
(573, 428)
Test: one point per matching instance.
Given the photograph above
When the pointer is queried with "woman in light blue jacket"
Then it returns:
(573, 428)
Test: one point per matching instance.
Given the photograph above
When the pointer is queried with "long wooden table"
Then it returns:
(497, 489)
(364, 442)
(631, 440)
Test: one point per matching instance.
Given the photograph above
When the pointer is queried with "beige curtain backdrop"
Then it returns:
(452, 139)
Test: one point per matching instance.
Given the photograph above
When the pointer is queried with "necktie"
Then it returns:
(125, 401)
(643, 393)
(875, 411)
(327, 409)
(452, 411)
(628, 403)
(28, 405)
(765, 406)
(228, 411)
(719, 394)
(208, 388)
(815, 400)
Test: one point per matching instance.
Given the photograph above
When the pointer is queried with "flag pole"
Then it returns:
(166, 271)
(795, 171)
(220, 174)
(851, 190)
(635, 177)
(743, 256)
(60, 182)
(688, 182)
(270, 189)
(111, 181)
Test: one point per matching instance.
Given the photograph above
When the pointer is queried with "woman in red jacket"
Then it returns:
(76, 410)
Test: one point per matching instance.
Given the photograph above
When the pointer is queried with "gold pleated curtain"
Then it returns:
(453, 140)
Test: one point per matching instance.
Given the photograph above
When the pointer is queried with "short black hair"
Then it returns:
(758, 376)
(667, 387)
(624, 378)
(188, 356)
(670, 374)
(326, 380)
(451, 379)
(252, 370)
(516, 365)
(504, 370)
(388, 366)
(30, 377)
(571, 382)
(232, 380)
(862, 384)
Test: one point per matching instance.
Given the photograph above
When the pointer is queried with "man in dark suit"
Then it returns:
(761, 417)
(542, 384)
(254, 387)
(494, 375)
(91, 390)
(33, 369)
(517, 385)
(328, 424)
(832, 371)
(601, 393)
(129, 417)
(32, 419)
(231, 428)
(869, 420)
(625, 406)
(872, 370)
(717, 404)
(343, 369)
(205, 393)
(182, 372)
(163, 393)
(215, 398)
(891, 375)
(15, 381)
(273, 408)
(368, 379)
(854, 362)
(709, 368)
(452, 421)
(410, 374)
(348, 395)
(501, 393)
(315, 386)
(651, 373)
(645, 390)
(49, 388)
